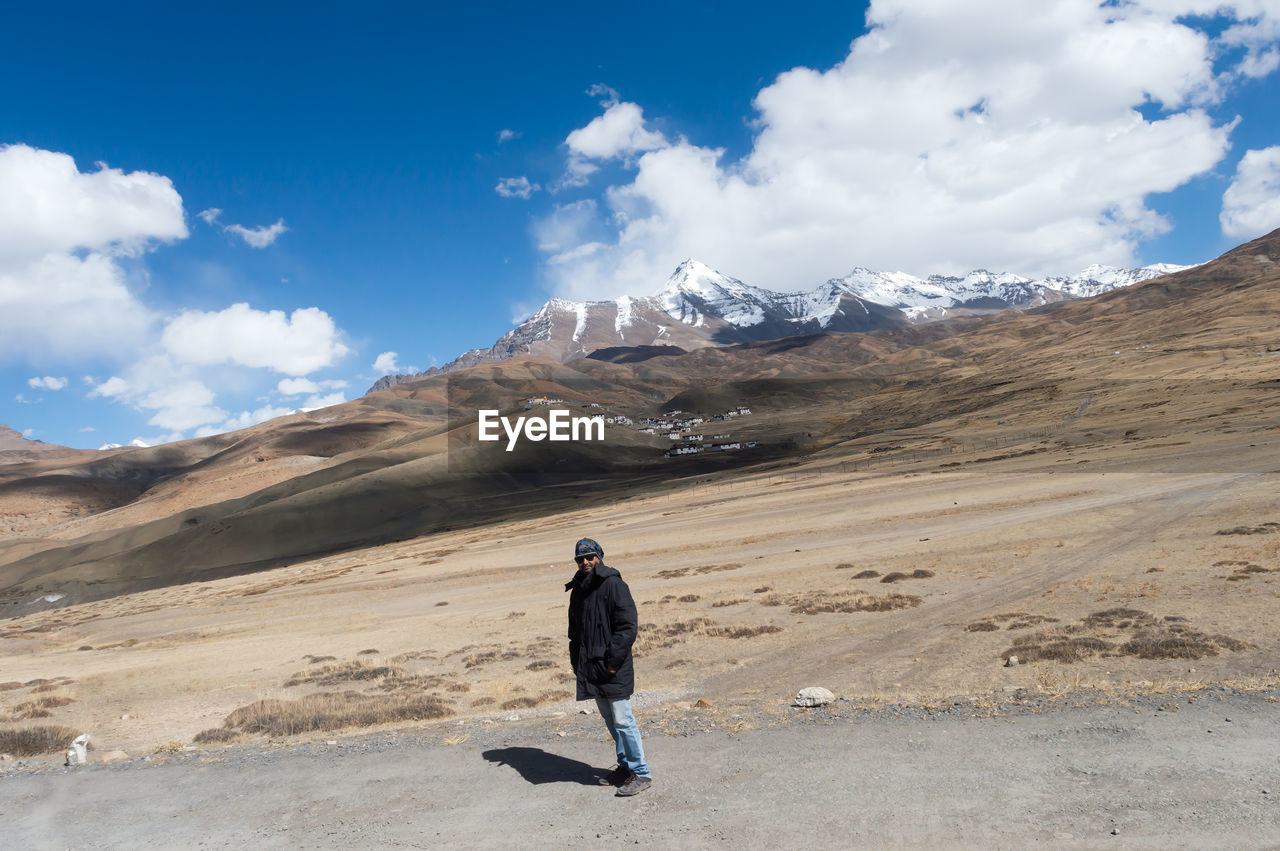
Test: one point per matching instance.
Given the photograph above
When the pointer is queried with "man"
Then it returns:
(602, 628)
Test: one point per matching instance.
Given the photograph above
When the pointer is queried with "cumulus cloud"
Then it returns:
(243, 420)
(48, 382)
(387, 363)
(954, 135)
(210, 216)
(63, 292)
(1251, 204)
(296, 344)
(323, 401)
(516, 187)
(505, 135)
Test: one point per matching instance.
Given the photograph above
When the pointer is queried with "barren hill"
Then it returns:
(406, 462)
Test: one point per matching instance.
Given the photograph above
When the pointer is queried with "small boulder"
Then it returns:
(702, 703)
(814, 696)
(1011, 662)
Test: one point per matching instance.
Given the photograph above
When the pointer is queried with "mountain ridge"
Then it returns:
(700, 307)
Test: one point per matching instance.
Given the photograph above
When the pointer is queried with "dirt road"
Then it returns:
(1200, 769)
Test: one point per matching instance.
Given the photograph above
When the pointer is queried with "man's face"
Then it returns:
(586, 563)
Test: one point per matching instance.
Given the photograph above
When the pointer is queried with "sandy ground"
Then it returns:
(1163, 771)
(730, 580)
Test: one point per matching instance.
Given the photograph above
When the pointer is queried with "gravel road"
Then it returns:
(1199, 769)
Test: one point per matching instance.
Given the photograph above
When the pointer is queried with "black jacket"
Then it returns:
(602, 628)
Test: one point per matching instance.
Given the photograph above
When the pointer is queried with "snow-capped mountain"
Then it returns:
(701, 307)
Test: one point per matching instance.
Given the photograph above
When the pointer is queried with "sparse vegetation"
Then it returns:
(1261, 529)
(216, 736)
(689, 598)
(333, 711)
(676, 573)
(32, 741)
(720, 604)
(350, 672)
(1012, 620)
(843, 602)
(1121, 632)
(540, 665)
(866, 574)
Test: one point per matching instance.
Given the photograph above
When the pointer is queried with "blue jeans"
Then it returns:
(626, 735)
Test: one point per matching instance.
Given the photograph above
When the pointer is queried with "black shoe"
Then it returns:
(635, 786)
(616, 777)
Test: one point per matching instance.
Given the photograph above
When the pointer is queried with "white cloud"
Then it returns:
(88, 429)
(50, 207)
(48, 382)
(387, 364)
(243, 420)
(259, 237)
(323, 401)
(297, 344)
(1251, 204)
(516, 187)
(954, 135)
(62, 289)
(618, 132)
(303, 386)
(505, 135)
(180, 406)
(608, 96)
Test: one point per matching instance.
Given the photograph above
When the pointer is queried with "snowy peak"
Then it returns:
(699, 307)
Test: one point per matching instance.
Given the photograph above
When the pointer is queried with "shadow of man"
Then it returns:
(537, 766)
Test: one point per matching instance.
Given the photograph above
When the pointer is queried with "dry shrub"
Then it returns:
(51, 686)
(514, 615)
(538, 700)
(31, 741)
(411, 682)
(921, 573)
(1122, 632)
(443, 603)
(9, 686)
(743, 631)
(460, 688)
(315, 660)
(981, 626)
(689, 598)
(895, 576)
(350, 672)
(866, 574)
(333, 711)
(720, 604)
(898, 576)
(540, 665)
(477, 659)
(1262, 529)
(1014, 620)
(676, 573)
(763, 589)
(844, 603)
(483, 701)
(372, 651)
(216, 736)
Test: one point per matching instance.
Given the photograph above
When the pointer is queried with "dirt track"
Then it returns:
(1193, 770)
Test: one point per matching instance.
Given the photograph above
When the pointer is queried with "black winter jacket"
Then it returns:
(602, 628)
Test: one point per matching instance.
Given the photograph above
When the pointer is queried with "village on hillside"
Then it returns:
(675, 425)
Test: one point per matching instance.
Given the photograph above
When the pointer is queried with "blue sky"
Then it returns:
(289, 196)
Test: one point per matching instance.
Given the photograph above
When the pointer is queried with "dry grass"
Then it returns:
(32, 741)
(654, 637)
(1262, 529)
(897, 576)
(845, 603)
(529, 702)
(333, 711)
(866, 574)
(736, 601)
(1012, 620)
(350, 672)
(37, 708)
(1122, 632)
(676, 573)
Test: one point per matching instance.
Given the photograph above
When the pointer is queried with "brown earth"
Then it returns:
(1092, 487)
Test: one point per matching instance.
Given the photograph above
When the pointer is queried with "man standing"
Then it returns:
(602, 628)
